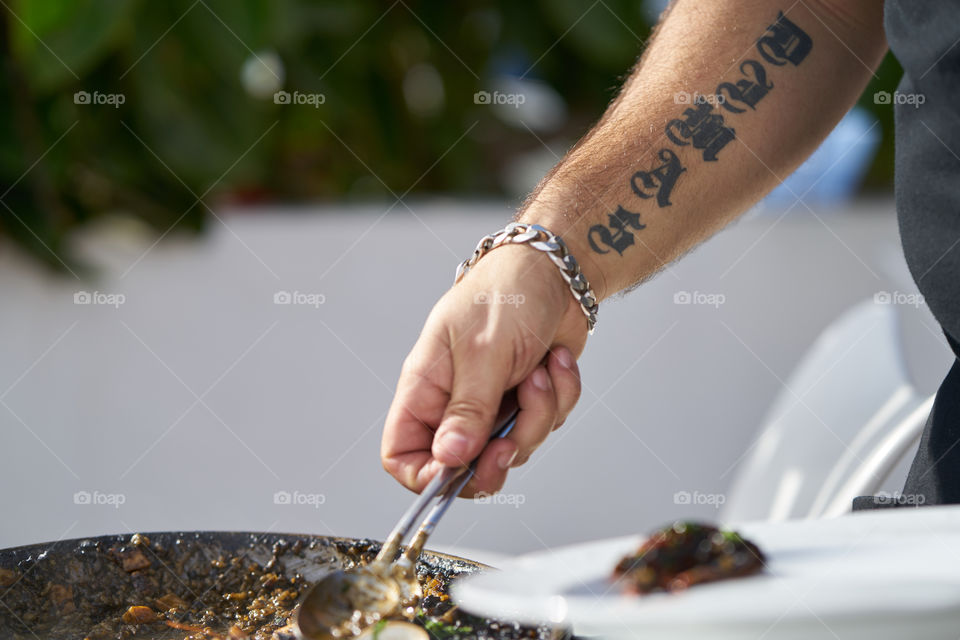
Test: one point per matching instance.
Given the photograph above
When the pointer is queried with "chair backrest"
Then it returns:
(887, 456)
(843, 400)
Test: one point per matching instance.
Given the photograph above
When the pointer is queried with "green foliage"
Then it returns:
(189, 133)
(887, 77)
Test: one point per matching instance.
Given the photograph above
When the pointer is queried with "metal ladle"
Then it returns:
(345, 602)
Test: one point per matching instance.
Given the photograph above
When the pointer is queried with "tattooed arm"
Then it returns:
(730, 96)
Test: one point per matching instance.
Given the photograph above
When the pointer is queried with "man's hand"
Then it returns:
(511, 322)
(729, 96)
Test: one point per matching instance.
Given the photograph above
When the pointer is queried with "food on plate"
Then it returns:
(685, 554)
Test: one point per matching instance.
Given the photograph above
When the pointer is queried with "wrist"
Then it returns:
(521, 264)
(531, 276)
(576, 245)
(546, 243)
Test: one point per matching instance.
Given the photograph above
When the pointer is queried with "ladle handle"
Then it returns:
(506, 419)
(450, 495)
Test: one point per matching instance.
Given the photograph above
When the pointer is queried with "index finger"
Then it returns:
(415, 413)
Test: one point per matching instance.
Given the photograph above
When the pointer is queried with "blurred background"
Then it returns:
(224, 222)
(178, 92)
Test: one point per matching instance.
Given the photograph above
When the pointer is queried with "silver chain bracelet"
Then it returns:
(556, 249)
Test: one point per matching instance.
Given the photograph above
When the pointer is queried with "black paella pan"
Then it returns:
(202, 585)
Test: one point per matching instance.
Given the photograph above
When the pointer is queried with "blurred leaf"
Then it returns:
(55, 39)
(887, 77)
(605, 33)
(188, 126)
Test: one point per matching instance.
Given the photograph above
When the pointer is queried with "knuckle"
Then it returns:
(479, 343)
(547, 408)
(527, 349)
(569, 380)
(414, 366)
(568, 392)
(393, 468)
(470, 410)
(521, 459)
(547, 423)
(390, 465)
(489, 486)
(409, 363)
(489, 481)
(576, 387)
(567, 403)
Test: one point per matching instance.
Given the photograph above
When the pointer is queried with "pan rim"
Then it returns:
(13, 552)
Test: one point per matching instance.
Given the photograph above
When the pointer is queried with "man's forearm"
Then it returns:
(728, 99)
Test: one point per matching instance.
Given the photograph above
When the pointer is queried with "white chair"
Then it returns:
(883, 463)
(848, 418)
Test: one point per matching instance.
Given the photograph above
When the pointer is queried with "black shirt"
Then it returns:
(925, 38)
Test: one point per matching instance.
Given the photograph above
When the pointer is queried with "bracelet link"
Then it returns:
(541, 239)
(579, 284)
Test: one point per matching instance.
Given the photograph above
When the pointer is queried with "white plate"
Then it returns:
(885, 574)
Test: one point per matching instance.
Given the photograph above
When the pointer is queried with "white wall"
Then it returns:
(293, 398)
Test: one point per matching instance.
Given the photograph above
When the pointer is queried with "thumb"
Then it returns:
(468, 418)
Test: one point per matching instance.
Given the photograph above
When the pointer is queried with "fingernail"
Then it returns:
(454, 444)
(432, 468)
(505, 459)
(540, 379)
(564, 357)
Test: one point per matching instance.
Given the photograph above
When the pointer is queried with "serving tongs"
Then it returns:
(344, 603)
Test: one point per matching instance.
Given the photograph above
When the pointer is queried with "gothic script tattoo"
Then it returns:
(705, 129)
(661, 178)
(784, 42)
(747, 91)
(621, 221)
